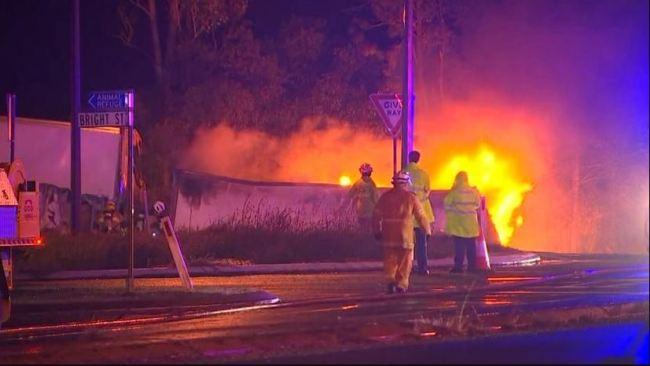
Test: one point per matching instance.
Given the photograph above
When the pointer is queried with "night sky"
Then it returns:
(35, 47)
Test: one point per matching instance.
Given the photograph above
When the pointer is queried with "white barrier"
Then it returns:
(174, 245)
(203, 199)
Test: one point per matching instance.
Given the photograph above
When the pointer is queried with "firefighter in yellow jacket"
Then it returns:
(393, 218)
(461, 211)
(363, 195)
(421, 187)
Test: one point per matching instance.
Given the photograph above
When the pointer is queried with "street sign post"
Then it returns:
(116, 108)
(131, 103)
(389, 107)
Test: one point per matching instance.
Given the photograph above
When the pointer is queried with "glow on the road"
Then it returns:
(428, 334)
(510, 279)
(495, 300)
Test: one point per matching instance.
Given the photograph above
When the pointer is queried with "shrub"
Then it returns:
(255, 236)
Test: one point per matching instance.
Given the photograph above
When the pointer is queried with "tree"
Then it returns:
(184, 22)
(301, 44)
(438, 24)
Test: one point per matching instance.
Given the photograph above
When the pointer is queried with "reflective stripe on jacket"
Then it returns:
(393, 218)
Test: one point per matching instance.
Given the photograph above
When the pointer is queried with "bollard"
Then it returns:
(482, 257)
(174, 246)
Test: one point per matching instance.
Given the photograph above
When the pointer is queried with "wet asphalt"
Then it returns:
(343, 317)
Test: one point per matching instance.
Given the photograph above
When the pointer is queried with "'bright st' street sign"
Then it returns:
(104, 119)
(117, 100)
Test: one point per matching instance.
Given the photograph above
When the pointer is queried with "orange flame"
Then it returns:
(497, 178)
(344, 181)
(503, 150)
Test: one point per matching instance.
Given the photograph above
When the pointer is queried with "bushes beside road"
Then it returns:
(279, 237)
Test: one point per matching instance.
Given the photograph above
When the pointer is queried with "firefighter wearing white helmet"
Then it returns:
(393, 219)
(363, 196)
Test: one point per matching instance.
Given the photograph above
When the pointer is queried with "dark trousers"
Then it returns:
(365, 224)
(463, 246)
(421, 249)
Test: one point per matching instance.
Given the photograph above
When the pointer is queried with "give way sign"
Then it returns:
(389, 107)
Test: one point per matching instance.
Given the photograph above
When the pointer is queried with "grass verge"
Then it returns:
(280, 236)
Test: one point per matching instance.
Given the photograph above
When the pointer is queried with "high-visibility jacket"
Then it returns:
(461, 211)
(364, 196)
(421, 187)
(393, 218)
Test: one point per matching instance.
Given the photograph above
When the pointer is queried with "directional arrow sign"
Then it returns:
(104, 119)
(389, 107)
(117, 100)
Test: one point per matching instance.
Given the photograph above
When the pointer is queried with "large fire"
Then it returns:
(499, 147)
(345, 181)
(497, 178)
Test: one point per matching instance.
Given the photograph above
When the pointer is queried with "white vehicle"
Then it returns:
(44, 147)
(19, 224)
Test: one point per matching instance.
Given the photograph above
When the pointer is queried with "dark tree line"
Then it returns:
(212, 66)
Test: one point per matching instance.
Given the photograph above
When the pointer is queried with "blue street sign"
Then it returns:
(116, 100)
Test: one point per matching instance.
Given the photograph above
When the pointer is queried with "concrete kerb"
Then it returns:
(521, 259)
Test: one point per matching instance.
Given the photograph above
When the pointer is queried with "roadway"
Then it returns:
(347, 317)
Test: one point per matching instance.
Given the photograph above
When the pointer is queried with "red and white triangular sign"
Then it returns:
(389, 107)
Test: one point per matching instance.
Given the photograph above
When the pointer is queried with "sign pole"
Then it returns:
(130, 189)
(116, 108)
(394, 155)
(75, 130)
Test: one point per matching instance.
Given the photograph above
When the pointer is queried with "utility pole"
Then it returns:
(408, 110)
(75, 129)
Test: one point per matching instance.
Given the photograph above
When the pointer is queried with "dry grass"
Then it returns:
(252, 235)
